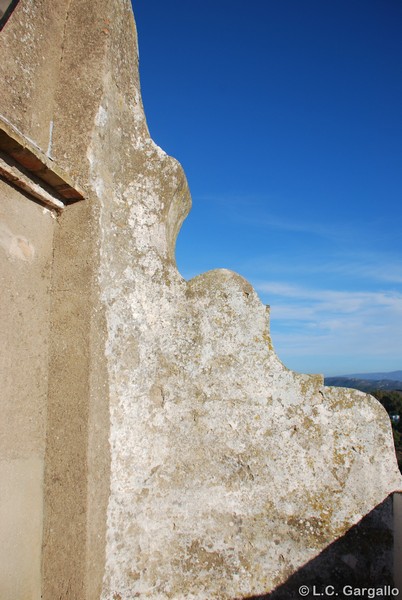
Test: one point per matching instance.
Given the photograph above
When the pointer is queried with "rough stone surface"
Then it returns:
(183, 460)
(228, 471)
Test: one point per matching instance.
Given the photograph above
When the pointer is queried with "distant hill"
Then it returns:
(365, 383)
(392, 375)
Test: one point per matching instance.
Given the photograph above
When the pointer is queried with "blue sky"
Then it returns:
(287, 118)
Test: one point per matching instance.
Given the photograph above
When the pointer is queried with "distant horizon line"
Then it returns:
(377, 374)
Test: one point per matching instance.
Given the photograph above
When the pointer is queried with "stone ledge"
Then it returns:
(24, 164)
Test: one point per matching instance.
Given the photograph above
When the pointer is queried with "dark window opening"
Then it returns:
(6, 8)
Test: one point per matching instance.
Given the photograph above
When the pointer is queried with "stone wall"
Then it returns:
(181, 459)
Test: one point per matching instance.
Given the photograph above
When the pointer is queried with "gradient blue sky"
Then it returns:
(287, 118)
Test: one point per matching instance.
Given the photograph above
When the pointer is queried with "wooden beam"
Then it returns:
(17, 177)
(22, 160)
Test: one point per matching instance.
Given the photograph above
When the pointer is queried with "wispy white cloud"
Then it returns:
(269, 212)
(342, 300)
(316, 322)
(339, 232)
(364, 265)
(292, 224)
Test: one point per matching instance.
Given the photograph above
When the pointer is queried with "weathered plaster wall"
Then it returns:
(52, 79)
(77, 459)
(26, 232)
(183, 460)
(31, 41)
